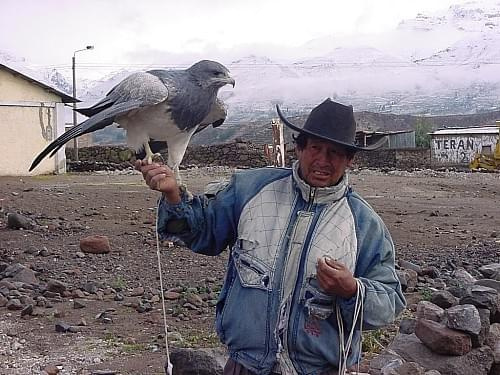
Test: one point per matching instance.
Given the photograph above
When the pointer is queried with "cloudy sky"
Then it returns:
(47, 32)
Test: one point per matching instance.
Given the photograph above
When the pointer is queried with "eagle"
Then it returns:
(162, 105)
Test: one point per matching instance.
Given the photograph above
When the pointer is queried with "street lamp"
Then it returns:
(75, 140)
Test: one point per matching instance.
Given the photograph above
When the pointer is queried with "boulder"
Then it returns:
(490, 283)
(428, 310)
(479, 339)
(56, 286)
(385, 359)
(406, 368)
(482, 297)
(441, 339)
(458, 291)
(404, 264)
(431, 271)
(462, 277)
(407, 326)
(464, 318)
(408, 279)
(493, 335)
(18, 221)
(443, 299)
(491, 271)
(95, 244)
(478, 361)
(198, 361)
(20, 273)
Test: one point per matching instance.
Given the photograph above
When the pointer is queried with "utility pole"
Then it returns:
(73, 66)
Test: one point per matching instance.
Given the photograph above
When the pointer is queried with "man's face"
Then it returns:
(322, 163)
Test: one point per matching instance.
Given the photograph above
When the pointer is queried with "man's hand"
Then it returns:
(161, 178)
(335, 278)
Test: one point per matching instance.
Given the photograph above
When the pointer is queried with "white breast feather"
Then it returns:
(153, 122)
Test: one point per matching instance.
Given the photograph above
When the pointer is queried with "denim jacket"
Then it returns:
(271, 309)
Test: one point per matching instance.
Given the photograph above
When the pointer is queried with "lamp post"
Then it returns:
(75, 140)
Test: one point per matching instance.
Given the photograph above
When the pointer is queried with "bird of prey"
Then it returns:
(163, 105)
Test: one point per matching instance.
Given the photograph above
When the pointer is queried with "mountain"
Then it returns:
(50, 77)
(260, 131)
(434, 64)
(439, 64)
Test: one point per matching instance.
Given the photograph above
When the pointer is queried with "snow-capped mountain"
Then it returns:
(473, 16)
(50, 77)
(56, 79)
(442, 63)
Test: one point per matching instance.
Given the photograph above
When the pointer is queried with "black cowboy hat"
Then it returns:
(333, 122)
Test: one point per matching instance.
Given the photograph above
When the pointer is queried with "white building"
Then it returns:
(31, 116)
(458, 146)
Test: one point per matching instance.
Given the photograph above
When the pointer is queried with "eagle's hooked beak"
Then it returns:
(231, 81)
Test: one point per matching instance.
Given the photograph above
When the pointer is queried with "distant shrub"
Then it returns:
(422, 129)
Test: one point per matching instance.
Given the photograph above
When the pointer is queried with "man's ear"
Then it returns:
(350, 161)
(298, 151)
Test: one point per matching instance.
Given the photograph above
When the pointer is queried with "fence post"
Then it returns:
(279, 151)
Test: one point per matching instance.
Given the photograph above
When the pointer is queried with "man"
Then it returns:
(309, 258)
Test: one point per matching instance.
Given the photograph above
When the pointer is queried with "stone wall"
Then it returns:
(404, 159)
(236, 154)
(240, 154)
(230, 154)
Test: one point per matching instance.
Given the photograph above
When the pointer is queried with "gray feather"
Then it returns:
(215, 117)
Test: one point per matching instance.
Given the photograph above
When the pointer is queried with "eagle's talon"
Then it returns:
(157, 158)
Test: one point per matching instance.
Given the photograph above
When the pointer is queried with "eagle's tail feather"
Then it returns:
(55, 145)
(99, 121)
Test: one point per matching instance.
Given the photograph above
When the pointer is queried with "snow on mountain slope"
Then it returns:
(445, 62)
(50, 77)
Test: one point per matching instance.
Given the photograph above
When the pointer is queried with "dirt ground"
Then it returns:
(446, 219)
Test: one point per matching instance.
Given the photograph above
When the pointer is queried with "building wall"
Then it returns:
(401, 140)
(453, 149)
(30, 118)
(14, 88)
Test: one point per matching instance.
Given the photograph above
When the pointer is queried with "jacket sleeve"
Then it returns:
(206, 225)
(375, 268)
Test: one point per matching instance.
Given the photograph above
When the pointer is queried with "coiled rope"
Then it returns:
(345, 347)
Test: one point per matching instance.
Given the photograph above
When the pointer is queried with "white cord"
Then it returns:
(344, 347)
(169, 364)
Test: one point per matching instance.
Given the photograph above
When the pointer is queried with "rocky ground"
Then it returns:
(100, 313)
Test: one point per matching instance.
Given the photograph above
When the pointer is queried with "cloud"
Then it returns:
(49, 31)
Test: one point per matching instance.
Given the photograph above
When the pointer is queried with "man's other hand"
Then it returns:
(335, 278)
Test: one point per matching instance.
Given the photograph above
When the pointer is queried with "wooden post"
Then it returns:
(279, 151)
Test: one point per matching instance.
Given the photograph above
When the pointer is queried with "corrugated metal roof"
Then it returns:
(378, 132)
(65, 97)
(491, 129)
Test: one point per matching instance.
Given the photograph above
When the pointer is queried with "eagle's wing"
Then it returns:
(215, 117)
(136, 91)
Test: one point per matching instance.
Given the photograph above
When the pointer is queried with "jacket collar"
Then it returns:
(320, 195)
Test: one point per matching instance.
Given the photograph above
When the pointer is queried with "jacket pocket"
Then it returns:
(252, 272)
(316, 303)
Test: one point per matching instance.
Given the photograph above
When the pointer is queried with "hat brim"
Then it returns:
(349, 146)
